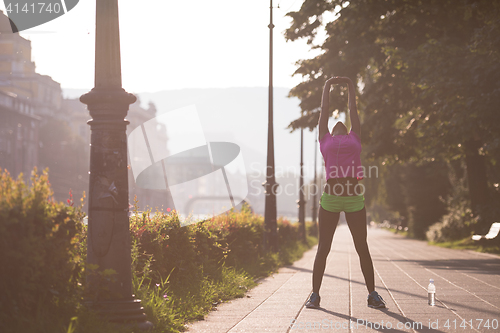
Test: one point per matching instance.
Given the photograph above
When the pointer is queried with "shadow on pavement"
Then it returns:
(358, 323)
(424, 298)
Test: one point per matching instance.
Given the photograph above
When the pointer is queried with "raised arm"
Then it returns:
(325, 106)
(353, 110)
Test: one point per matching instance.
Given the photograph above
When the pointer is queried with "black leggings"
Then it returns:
(357, 225)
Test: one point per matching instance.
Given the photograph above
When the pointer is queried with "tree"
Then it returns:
(429, 72)
(66, 156)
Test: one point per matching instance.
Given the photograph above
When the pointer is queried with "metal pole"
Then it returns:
(316, 189)
(302, 201)
(270, 185)
(108, 242)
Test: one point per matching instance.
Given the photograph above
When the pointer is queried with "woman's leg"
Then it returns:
(327, 224)
(357, 225)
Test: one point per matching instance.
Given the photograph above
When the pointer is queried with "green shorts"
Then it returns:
(336, 204)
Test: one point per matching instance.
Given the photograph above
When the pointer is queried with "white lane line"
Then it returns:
(333, 249)
(472, 277)
(439, 257)
(453, 284)
(446, 306)
(274, 292)
(393, 298)
(303, 304)
(350, 288)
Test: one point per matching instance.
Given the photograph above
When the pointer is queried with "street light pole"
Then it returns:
(108, 242)
(316, 189)
(270, 185)
(302, 201)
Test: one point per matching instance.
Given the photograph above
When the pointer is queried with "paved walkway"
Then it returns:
(467, 283)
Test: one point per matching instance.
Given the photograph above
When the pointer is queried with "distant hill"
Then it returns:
(240, 115)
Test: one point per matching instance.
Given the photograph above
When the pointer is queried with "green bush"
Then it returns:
(459, 221)
(41, 266)
(179, 273)
(453, 226)
(188, 254)
(182, 272)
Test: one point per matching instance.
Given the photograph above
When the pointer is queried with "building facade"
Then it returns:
(18, 134)
(19, 121)
(38, 127)
(18, 75)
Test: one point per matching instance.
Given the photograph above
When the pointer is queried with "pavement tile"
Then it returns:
(466, 282)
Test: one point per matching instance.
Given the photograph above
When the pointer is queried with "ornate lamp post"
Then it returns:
(270, 185)
(302, 202)
(108, 244)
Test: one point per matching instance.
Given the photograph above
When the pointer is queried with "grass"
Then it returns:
(398, 232)
(170, 309)
(179, 273)
(469, 244)
(461, 244)
(171, 305)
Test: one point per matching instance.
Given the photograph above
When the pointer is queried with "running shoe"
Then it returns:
(375, 301)
(313, 302)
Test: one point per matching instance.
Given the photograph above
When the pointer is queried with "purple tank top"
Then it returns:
(342, 155)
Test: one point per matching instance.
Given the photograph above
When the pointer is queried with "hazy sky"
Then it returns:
(174, 44)
(170, 45)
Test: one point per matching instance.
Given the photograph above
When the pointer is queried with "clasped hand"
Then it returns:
(337, 80)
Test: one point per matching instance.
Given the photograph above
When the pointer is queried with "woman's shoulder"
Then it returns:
(354, 135)
(325, 137)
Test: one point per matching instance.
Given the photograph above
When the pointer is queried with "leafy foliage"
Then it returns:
(66, 155)
(188, 254)
(179, 273)
(430, 91)
(41, 266)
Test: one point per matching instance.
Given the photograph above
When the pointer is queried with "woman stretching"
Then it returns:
(341, 152)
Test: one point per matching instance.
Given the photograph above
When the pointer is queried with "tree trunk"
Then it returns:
(476, 176)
